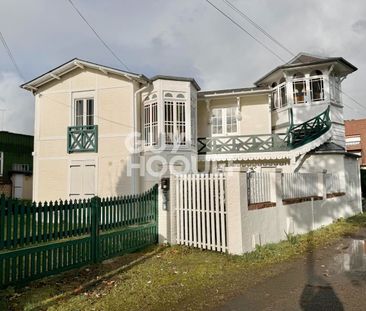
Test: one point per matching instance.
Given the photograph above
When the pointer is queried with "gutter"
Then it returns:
(135, 186)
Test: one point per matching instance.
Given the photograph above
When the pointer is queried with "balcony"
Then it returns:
(296, 136)
(82, 138)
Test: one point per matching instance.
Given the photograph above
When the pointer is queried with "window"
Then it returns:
(83, 112)
(353, 140)
(299, 89)
(278, 96)
(151, 123)
(316, 86)
(193, 123)
(224, 121)
(1, 163)
(175, 122)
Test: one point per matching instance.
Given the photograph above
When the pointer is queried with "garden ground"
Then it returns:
(181, 278)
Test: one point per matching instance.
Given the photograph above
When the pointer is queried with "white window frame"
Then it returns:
(294, 96)
(277, 101)
(313, 79)
(151, 123)
(224, 124)
(1, 163)
(84, 96)
(173, 125)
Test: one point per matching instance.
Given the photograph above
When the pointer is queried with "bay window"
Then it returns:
(278, 96)
(224, 121)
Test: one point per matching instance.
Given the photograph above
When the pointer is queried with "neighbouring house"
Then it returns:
(16, 163)
(356, 139)
(104, 131)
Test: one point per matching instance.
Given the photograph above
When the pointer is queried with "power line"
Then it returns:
(11, 55)
(98, 36)
(247, 32)
(251, 21)
(245, 16)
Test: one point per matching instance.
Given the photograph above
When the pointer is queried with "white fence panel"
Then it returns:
(299, 185)
(259, 187)
(201, 211)
(333, 183)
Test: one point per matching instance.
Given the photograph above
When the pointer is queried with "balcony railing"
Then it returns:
(22, 168)
(238, 144)
(82, 138)
(297, 136)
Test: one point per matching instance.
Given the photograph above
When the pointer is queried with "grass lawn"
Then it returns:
(171, 278)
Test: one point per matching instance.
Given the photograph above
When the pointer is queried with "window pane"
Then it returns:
(317, 89)
(78, 112)
(169, 122)
(89, 112)
(299, 91)
(231, 121)
(217, 121)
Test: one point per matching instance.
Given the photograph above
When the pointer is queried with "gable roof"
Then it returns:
(304, 59)
(58, 72)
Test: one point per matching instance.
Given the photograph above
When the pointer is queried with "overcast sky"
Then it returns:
(175, 37)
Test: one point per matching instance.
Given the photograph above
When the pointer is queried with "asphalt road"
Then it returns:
(330, 278)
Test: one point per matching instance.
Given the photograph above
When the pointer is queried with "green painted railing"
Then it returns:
(297, 135)
(43, 239)
(82, 138)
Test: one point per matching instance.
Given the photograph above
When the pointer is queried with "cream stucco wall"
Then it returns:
(113, 96)
(254, 111)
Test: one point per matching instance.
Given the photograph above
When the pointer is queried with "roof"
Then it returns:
(332, 148)
(176, 78)
(304, 59)
(58, 72)
(233, 91)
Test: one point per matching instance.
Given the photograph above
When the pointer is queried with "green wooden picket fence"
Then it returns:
(37, 240)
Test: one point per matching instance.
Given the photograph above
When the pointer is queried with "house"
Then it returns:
(16, 165)
(103, 131)
(356, 139)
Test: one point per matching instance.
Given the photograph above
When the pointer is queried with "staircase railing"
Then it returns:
(301, 134)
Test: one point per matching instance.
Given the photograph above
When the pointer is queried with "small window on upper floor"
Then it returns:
(83, 112)
(299, 88)
(316, 86)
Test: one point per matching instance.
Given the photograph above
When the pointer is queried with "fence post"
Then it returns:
(167, 225)
(322, 187)
(236, 208)
(275, 176)
(95, 221)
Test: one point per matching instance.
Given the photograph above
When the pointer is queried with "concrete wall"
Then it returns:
(270, 225)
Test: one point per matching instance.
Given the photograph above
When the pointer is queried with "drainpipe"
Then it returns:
(135, 176)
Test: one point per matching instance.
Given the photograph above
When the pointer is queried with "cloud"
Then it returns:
(359, 26)
(16, 106)
(185, 38)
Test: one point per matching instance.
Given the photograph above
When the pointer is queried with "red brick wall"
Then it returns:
(357, 127)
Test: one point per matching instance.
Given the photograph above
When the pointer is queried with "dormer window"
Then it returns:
(316, 86)
(299, 88)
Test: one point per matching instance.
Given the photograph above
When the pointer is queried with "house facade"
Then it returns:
(106, 132)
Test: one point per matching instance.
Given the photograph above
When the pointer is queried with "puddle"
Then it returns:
(352, 258)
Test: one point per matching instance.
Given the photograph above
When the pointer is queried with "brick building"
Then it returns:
(356, 139)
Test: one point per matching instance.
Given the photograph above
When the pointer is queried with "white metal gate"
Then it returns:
(201, 211)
